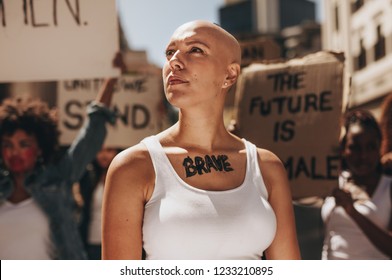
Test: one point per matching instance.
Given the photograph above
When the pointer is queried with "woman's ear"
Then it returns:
(233, 72)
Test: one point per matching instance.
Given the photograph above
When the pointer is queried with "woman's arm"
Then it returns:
(285, 245)
(92, 135)
(128, 187)
(380, 238)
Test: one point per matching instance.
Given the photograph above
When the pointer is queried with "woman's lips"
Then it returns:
(173, 80)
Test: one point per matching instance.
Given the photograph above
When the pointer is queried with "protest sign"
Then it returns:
(293, 109)
(136, 101)
(44, 40)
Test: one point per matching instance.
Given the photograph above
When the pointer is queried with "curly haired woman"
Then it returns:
(36, 206)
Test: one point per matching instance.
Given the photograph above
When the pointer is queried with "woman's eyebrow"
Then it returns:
(197, 42)
(187, 43)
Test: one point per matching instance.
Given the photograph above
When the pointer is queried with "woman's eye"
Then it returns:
(26, 144)
(169, 53)
(196, 50)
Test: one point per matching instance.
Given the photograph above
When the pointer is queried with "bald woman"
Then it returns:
(196, 191)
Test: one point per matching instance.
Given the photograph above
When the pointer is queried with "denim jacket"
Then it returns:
(51, 185)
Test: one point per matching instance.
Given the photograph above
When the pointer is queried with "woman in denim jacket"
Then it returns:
(37, 218)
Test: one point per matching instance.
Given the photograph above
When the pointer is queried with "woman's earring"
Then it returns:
(225, 83)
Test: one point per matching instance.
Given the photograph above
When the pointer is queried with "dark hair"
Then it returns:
(35, 118)
(362, 118)
(386, 125)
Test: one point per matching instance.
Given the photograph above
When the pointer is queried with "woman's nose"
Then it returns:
(175, 62)
(14, 150)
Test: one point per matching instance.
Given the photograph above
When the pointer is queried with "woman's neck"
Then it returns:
(369, 182)
(201, 132)
(19, 194)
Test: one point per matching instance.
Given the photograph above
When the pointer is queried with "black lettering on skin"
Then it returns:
(202, 166)
(199, 162)
(190, 169)
(217, 163)
(210, 163)
(226, 164)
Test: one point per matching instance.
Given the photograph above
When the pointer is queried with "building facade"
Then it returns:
(249, 17)
(362, 29)
(272, 29)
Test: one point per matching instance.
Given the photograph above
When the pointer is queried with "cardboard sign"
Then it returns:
(136, 101)
(293, 109)
(44, 40)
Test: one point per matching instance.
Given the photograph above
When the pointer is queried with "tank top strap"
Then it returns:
(157, 154)
(254, 168)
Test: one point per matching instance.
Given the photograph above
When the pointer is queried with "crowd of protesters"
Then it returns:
(39, 217)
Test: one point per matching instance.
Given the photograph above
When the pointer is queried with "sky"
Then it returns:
(148, 24)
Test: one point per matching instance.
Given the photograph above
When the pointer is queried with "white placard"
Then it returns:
(44, 40)
(136, 100)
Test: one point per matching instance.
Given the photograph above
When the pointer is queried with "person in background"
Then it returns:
(196, 191)
(359, 214)
(386, 129)
(91, 188)
(37, 218)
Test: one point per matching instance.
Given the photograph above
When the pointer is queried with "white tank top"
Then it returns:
(94, 231)
(24, 232)
(343, 238)
(184, 222)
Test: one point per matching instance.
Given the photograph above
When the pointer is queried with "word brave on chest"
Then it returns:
(204, 165)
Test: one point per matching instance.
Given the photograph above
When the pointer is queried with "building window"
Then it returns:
(337, 17)
(360, 60)
(379, 48)
(356, 5)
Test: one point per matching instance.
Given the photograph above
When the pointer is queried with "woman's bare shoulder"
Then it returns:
(134, 155)
(272, 169)
(268, 158)
(132, 166)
